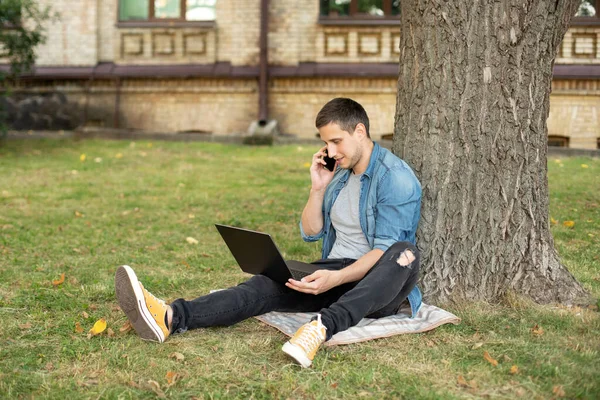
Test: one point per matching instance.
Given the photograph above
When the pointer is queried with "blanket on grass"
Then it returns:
(429, 317)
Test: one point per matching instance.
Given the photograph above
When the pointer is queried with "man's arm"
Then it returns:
(312, 215)
(322, 280)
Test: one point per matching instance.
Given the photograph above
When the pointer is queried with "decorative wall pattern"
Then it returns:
(165, 46)
(357, 44)
(581, 45)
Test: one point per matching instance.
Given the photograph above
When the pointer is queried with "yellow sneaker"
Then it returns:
(145, 312)
(306, 341)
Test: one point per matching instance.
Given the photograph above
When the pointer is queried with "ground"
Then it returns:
(84, 207)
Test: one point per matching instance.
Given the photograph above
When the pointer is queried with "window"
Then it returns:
(363, 9)
(167, 10)
(558, 141)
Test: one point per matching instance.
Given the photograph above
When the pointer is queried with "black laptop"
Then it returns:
(256, 253)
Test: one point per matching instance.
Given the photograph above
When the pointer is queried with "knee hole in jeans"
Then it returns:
(406, 258)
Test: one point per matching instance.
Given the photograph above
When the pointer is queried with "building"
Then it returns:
(196, 66)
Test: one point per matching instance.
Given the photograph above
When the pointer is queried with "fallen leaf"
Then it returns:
(49, 366)
(78, 214)
(584, 166)
(98, 159)
(558, 391)
(489, 359)
(110, 332)
(156, 388)
(98, 327)
(514, 370)
(126, 327)
(177, 356)
(191, 216)
(569, 224)
(60, 280)
(461, 381)
(25, 326)
(191, 240)
(172, 378)
(334, 385)
(477, 345)
(537, 330)
(78, 327)
(118, 155)
(82, 157)
(93, 307)
(553, 221)
(84, 315)
(306, 165)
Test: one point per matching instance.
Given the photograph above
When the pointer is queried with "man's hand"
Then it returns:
(319, 175)
(316, 283)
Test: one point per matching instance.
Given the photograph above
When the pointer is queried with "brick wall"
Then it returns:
(72, 40)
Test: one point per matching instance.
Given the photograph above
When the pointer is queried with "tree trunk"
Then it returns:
(473, 99)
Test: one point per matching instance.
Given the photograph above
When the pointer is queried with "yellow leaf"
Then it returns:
(553, 221)
(514, 370)
(82, 158)
(118, 155)
(98, 327)
(537, 330)
(60, 280)
(306, 165)
(584, 166)
(191, 240)
(78, 327)
(172, 378)
(78, 214)
(569, 224)
(149, 145)
(489, 359)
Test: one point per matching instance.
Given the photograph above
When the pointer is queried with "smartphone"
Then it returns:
(330, 162)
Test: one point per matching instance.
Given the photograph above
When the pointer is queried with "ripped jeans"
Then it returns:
(378, 294)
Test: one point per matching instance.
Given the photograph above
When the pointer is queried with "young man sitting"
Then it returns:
(366, 211)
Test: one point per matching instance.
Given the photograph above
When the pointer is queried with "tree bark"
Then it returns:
(473, 99)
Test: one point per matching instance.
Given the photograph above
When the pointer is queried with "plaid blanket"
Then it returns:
(429, 317)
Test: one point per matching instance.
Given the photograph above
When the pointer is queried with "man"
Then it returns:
(366, 211)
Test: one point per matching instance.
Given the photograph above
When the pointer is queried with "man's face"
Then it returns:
(341, 145)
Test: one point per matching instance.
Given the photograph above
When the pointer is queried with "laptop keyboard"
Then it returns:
(298, 275)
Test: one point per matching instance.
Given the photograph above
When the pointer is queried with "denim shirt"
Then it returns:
(389, 207)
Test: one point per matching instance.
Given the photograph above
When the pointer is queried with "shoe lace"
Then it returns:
(159, 301)
(311, 335)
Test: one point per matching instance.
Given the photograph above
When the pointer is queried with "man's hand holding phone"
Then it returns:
(322, 169)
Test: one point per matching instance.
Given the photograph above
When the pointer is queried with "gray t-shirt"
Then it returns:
(350, 241)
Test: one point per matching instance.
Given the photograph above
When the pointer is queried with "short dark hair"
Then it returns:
(344, 112)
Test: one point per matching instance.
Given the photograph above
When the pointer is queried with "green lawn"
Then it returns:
(137, 203)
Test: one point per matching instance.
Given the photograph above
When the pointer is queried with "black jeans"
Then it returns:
(378, 294)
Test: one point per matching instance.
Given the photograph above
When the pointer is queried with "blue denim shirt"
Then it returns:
(389, 207)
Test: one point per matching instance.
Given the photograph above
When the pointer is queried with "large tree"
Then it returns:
(473, 99)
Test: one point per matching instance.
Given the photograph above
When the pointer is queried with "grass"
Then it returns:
(136, 203)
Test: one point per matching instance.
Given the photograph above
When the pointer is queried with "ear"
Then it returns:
(360, 131)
